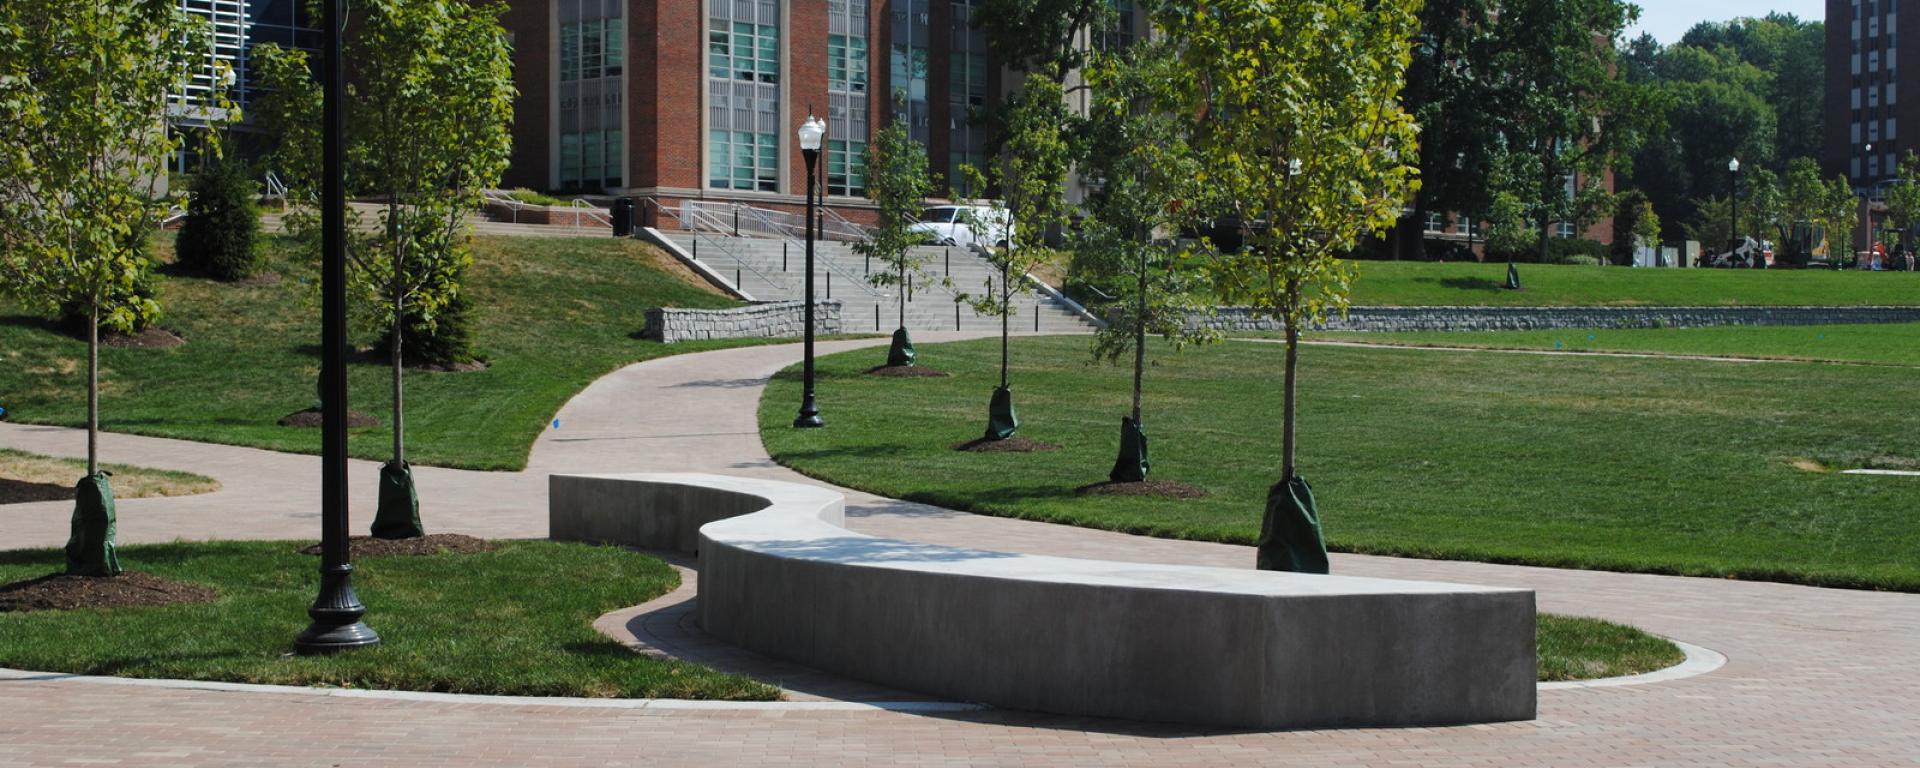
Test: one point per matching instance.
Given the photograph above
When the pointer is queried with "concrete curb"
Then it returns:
(514, 701)
(1699, 661)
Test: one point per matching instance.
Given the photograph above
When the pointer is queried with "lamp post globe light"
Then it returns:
(337, 610)
(810, 134)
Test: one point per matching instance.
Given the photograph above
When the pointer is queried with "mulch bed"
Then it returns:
(431, 544)
(55, 592)
(466, 367)
(1015, 444)
(264, 278)
(151, 338)
(22, 492)
(310, 417)
(1165, 488)
(906, 372)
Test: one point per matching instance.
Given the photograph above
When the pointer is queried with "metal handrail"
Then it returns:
(690, 221)
(276, 189)
(581, 206)
(830, 263)
(503, 198)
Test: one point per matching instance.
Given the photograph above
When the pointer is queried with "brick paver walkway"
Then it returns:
(1815, 677)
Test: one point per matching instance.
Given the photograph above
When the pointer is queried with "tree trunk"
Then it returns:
(902, 287)
(399, 332)
(1006, 311)
(1546, 229)
(1287, 445)
(93, 389)
(1140, 337)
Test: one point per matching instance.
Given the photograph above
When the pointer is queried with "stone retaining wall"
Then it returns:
(773, 320)
(1552, 318)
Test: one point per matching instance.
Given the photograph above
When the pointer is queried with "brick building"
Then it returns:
(684, 99)
(1863, 108)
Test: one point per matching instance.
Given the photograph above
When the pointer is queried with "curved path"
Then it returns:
(1814, 676)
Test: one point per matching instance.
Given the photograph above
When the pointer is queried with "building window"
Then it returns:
(744, 51)
(910, 49)
(592, 85)
(743, 95)
(967, 81)
(1436, 223)
(847, 63)
(1120, 35)
(1470, 228)
(743, 160)
(847, 98)
(846, 167)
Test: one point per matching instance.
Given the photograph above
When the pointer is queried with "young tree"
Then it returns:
(898, 184)
(84, 87)
(430, 120)
(1837, 212)
(1903, 199)
(1033, 188)
(1300, 130)
(1145, 172)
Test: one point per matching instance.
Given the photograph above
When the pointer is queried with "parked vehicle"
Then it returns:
(965, 225)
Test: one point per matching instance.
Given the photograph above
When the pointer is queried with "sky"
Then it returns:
(1669, 19)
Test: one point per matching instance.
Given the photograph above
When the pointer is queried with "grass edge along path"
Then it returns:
(1659, 466)
(515, 621)
(128, 482)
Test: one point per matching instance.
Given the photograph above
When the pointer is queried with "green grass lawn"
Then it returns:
(1412, 283)
(516, 621)
(1894, 344)
(554, 314)
(1664, 466)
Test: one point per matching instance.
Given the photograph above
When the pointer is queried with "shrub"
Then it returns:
(1567, 250)
(531, 197)
(217, 239)
(448, 340)
(1580, 260)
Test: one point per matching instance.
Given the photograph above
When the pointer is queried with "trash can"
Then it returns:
(623, 217)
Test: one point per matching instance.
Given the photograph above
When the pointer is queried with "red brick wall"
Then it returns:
(806, 80)
(530, 25)
(666, 80)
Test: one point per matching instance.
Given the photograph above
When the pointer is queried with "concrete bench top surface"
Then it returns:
(803, 522)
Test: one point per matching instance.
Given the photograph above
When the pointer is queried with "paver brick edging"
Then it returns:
(1390, 319)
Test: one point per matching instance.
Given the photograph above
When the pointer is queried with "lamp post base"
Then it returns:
(336, 617)
(808, 420)
(321, 638)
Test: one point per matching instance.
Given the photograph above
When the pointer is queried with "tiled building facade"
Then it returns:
(1863, 106)
(698, 99)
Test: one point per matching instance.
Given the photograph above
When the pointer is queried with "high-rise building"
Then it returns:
(1863, 108)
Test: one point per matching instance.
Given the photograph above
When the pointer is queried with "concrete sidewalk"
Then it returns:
(1814, 677)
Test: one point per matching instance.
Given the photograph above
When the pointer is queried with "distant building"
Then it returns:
(1863, 107)
(683, 99)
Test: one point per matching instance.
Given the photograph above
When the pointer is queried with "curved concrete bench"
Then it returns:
(1212, 646)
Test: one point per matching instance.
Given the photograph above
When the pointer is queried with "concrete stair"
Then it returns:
(772, 269)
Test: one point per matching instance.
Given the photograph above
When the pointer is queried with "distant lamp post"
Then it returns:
(1733, 173)
(336, 612)
(810, 133)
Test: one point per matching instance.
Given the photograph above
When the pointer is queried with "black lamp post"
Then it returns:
(810, 133)
(336, 612)
(1733, 196)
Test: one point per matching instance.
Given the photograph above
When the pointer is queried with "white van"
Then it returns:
(965, 225)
